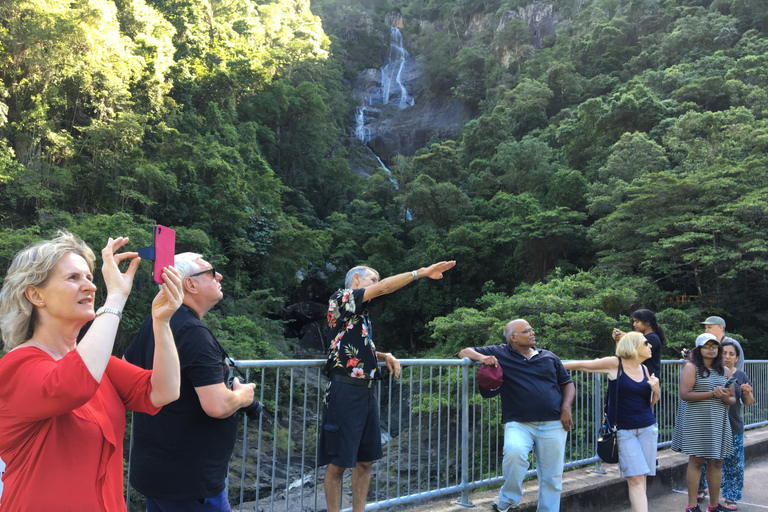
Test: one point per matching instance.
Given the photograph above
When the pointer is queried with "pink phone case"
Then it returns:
(165, 250)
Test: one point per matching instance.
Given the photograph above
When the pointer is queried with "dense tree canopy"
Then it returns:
(619, 163)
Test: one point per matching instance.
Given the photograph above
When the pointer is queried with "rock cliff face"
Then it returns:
(540, 16)
(388, 126)
(405, 131)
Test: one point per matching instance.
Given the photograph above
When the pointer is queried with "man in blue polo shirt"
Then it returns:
(536, 397)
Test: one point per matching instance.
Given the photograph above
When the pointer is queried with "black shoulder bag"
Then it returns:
(607, 444)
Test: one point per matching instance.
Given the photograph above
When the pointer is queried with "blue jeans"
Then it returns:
(547, 440)
(218, 503)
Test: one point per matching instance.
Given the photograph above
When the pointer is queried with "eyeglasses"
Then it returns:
(211, 270)
(710, 346)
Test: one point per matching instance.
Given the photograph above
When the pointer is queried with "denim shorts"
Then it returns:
(350, 432)
(637, 450)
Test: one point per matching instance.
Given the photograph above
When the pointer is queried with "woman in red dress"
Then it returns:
(63, 402)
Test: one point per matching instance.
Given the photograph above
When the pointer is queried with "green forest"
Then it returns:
(620, 163)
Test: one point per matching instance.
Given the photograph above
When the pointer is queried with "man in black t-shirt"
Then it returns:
(350, 436)
(180, 456)
(536, 397)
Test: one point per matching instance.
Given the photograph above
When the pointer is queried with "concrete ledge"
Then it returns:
(584, 490)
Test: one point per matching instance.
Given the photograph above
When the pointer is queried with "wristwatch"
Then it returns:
(107, 309)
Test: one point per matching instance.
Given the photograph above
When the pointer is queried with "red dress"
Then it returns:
(61, 432)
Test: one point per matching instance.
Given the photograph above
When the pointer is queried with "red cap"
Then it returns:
(489, 379)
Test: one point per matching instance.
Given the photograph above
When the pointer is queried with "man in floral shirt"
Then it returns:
(350, 436)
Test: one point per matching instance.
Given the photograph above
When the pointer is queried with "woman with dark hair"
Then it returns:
(733, 466)
(644, 322)
(705, 432)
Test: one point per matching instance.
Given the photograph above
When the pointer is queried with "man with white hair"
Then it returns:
(350, 436)
(180, 457)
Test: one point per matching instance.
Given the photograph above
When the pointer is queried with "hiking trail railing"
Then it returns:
(439, 436)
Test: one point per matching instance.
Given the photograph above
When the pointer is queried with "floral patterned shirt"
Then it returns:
(352, 350)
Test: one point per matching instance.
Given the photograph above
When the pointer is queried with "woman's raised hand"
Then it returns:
(170, 296)
(118, 283)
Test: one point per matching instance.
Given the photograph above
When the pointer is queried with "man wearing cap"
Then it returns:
(350, 436)
(716, 325)
(536, 396)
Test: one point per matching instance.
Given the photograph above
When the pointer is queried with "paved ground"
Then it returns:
(585, 490)
(754, 497)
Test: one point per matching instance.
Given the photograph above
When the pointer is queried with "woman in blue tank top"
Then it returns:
(632, 413)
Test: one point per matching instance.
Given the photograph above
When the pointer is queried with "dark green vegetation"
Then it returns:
(623, 163)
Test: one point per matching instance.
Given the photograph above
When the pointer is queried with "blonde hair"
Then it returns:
(628, 345)
(32, 267)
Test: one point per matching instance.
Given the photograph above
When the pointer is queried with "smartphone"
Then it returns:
(730, 382)
(162, 251)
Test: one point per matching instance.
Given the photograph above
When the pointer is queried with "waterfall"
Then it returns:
(393, 70)
(362, 132)
(391, 91)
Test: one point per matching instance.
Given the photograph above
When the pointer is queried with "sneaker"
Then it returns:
(701, 495)
(693, 509)
(512, 506)
(716, 508)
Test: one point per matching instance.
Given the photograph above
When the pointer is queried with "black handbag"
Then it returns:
(607, 443)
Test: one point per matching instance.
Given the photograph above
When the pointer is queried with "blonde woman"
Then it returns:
(638, 391)
(63, 401)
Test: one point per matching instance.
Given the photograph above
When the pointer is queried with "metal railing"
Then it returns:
(439, 436)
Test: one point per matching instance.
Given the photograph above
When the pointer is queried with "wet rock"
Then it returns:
(407, 130)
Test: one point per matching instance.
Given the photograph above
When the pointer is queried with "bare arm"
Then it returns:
(474, 355)
(218, 401)
(394, 283)
(653, 381)
(609, 365)
(393, 365)
(569, 393)
(688, 380)
(166, 373)
(95, 348)
(747, 398)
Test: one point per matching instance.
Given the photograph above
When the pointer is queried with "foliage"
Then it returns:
(617, 162)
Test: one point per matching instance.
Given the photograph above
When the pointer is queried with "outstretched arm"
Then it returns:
(607, 365)
(394, 283)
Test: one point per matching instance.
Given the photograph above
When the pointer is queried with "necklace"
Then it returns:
(50, 352)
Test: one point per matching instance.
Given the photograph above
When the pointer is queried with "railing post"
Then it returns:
(598, 415)
(464, 499)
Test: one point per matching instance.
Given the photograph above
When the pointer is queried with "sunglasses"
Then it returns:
(206, 271)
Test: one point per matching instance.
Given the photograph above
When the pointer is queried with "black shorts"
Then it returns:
(350, 432)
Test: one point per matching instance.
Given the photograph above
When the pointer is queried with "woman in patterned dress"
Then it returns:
(706, 431)
(733, 466)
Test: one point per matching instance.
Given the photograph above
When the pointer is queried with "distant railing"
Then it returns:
(439, 435)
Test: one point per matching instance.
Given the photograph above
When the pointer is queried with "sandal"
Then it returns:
(730, 505)
(701, 495)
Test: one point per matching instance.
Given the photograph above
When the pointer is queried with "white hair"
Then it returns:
(186, 263)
